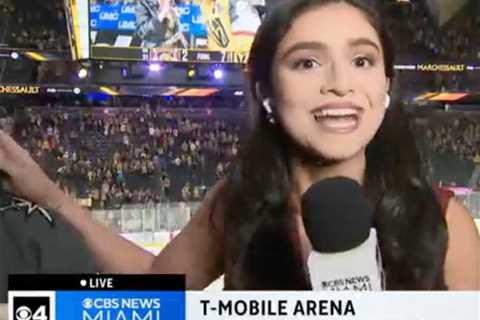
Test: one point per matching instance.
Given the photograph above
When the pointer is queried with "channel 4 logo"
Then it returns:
(31, 306)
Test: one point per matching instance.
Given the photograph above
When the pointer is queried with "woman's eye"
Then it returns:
(362, 62)
(306, 64)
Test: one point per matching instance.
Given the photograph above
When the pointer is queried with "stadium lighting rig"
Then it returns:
(82, 73)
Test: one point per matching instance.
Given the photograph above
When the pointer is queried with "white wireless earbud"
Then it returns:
(267, 106)
(387, 101)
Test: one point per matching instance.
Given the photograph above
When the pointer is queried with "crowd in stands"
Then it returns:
(34, 24)
(424, 40)
(460, 136)
(447, 42)
(150, 154)
(415, 25)
(126, 156)
(450, 142)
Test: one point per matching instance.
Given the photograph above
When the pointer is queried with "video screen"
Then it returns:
(174, 30)
(77, 16)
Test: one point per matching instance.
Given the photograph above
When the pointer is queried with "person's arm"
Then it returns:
(462, 265)
(112, 253)
(196, 251)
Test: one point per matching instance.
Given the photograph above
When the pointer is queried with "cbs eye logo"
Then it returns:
(25, 313)
(31, 308)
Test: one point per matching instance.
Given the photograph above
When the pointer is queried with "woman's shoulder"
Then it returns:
(462, 264)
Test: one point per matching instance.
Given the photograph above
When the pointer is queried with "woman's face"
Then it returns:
(329, 82)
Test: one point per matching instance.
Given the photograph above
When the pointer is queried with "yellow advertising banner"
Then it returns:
(27, 90)
(441, 67)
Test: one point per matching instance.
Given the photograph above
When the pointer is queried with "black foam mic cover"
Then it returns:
(336, 215)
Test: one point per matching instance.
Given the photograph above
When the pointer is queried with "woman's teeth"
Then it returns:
(338, 120)
(347, 112)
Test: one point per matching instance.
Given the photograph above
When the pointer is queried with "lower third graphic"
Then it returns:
(24, 305)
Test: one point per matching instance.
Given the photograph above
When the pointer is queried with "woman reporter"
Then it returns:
(320, 74)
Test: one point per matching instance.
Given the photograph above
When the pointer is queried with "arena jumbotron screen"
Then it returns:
(173, 30)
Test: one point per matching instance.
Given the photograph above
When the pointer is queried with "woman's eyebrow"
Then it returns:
(318, 45)
(305, 45)
(363, 42)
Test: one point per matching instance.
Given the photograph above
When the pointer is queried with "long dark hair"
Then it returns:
(261, 241)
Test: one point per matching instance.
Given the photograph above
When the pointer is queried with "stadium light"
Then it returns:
(14, 55)
(191, 73)
(82, 73)
(124, 72)
(218, 74)
(77, 90)
(155, 67)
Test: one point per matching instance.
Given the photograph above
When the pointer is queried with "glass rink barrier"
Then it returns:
(471, 200)
(151, 227)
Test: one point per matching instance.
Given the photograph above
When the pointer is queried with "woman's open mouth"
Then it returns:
(338, 120)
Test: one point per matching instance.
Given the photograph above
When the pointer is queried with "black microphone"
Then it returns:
(338, 221)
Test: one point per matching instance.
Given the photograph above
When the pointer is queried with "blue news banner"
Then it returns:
(96, 297)
(163, 297)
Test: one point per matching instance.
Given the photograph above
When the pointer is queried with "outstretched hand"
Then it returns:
(25, 176)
